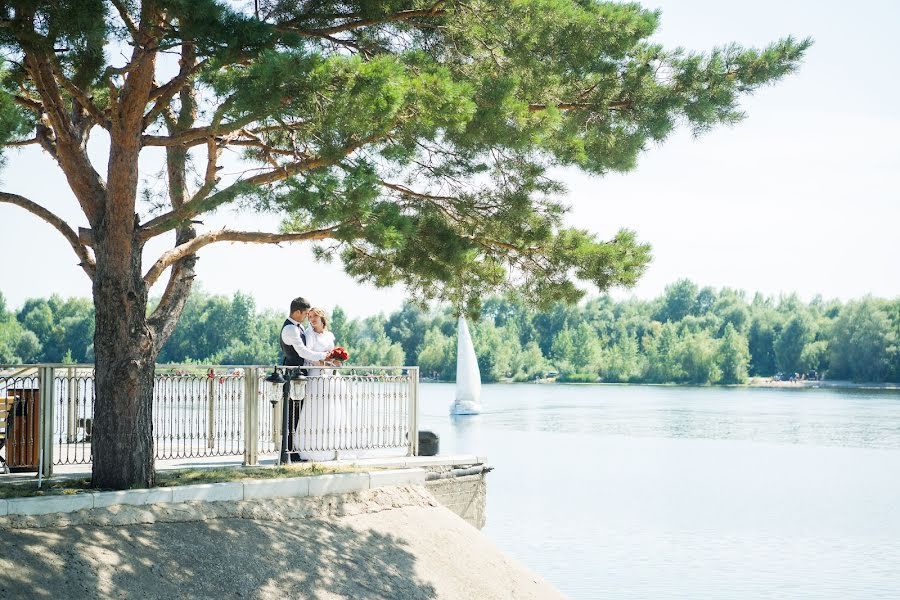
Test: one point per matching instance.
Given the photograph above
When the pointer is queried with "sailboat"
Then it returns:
(468, 377)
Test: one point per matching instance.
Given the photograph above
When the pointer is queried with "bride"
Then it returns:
(317, 434)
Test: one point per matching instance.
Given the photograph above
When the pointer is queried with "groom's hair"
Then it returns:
(299, 303)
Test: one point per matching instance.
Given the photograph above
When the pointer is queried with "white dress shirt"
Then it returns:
(290, 335)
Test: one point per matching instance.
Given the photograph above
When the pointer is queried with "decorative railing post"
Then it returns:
(211, 412)
(413, 436)
(71, 417)
(251, 416)
(47, 391)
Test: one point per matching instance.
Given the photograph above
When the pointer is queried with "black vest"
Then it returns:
(290, 356)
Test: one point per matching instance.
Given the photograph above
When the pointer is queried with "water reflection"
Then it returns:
(689, 492)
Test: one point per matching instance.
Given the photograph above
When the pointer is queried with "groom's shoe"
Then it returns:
(295, 457)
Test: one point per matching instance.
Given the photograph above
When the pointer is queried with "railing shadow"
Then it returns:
(220, 558)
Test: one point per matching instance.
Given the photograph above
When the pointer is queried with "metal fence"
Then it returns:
(212, 410)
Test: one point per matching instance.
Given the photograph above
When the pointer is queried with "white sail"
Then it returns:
(468, 377)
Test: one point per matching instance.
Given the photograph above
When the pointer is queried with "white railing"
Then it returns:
(217, 410)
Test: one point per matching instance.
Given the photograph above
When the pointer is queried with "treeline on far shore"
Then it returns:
(687, 335)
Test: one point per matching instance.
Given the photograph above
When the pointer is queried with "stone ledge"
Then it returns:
(396, 477)
(133, 497)
(295, 487)
(251, 489)
(338, 483)
(49, 504)
(208, 492)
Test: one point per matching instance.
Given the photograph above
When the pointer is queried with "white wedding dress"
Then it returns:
(317, 435)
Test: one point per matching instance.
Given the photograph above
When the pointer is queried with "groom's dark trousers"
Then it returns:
(292, 359)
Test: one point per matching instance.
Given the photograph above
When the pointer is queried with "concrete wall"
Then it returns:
(466, 496)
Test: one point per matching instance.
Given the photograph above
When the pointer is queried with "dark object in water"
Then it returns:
(428, 443)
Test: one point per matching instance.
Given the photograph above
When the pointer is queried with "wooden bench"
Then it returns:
(6, 406)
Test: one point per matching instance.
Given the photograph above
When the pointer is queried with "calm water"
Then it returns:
(665, 492)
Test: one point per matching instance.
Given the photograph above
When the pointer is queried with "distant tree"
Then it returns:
(623, 363)
(662, 348)
(586, 351)
(731, 307)
(438, 355)
(815, 356)
(680, 300)
(734, 356)
(344, 328)
(765, 327)
(530, 362)
(407, 328)
(562, 349)
(697, 355)
(860, 342)
(549, 324)
(796, 334)
(495, 354)
(37, 316)
(706, 300)
(378, 351)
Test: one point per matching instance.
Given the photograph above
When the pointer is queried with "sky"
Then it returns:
(802, 196)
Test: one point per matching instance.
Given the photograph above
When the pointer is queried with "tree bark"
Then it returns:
(125, 356)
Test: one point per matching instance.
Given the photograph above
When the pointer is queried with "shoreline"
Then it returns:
(754, 382)
(825, 383)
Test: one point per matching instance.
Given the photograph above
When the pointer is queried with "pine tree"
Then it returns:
(411, 140)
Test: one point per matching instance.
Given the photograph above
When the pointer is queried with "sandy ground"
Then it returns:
(826, 383)
(383, 543)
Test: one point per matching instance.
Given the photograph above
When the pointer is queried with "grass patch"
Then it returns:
(218, 475)
(53, 487)
(173, 477)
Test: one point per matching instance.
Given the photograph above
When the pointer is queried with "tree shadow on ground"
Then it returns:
(218, 558)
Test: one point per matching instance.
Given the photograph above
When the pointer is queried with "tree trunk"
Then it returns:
(125, 356)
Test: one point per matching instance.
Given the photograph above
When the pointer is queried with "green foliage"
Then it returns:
(425, 145)
(862, 342)
(680, 301)
(47, 330)
(623, 363)
(734, 356)
(697, 358)
(617, 342)
(794, 337)
(765, 326)
(438, 356)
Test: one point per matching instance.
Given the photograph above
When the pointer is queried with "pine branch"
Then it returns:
(620, 105)
(202, 204)
(68, 148)
(227, 235)
(403, 15)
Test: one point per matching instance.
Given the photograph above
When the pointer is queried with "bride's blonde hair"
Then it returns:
(322, 315)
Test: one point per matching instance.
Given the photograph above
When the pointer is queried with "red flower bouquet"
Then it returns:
(338, 354)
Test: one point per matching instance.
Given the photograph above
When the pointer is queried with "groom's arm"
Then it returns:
(291, 336)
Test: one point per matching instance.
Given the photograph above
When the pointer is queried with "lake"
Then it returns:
(681, 492)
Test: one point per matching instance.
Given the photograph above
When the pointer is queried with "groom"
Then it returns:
(296, 354)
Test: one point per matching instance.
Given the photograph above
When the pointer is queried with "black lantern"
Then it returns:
(280, 389)
(274, 389)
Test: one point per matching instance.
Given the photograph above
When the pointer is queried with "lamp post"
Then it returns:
(281, 386)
